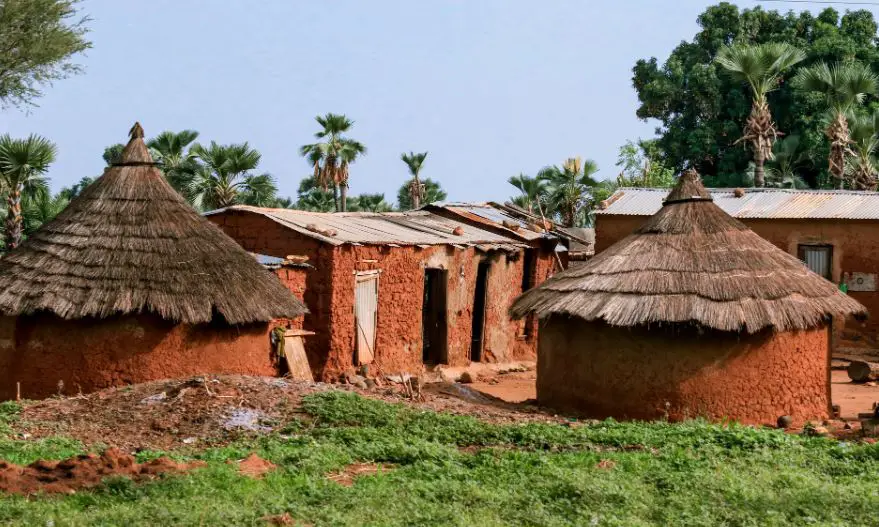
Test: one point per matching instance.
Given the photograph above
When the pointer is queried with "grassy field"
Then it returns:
(455, 470)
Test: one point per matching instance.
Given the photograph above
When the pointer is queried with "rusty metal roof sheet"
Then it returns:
(385, 228)
(491, 215)
(758, 203)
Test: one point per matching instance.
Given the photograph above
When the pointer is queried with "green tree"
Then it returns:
(38, 40)
(23, 165)
(532, 192)
(569, 190)
(40, 209)
(332, 156)
(843, 86)
(312, 197)
(701, 112)
(640, 166)
(432, 192)
(415, 162)
(760, 66)
(788, 160)
(373, 203)
(863, 167)
(113, 153)
(68, 193)
(172, 152)
(225, 177)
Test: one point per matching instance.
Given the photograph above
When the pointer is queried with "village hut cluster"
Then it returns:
(671, 308)
(693, 314)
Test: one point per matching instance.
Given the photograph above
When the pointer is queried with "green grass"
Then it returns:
(692, 473)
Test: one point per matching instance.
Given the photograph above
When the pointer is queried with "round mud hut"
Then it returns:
(130, 284)
(692, 315)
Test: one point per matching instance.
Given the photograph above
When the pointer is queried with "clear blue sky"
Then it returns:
(490, 88)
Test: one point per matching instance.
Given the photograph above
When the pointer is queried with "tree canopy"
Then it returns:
(38, 40)
(701, 111)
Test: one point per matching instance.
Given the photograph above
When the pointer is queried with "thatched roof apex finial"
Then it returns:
(136, 131)
(136, 151)
(688, 188)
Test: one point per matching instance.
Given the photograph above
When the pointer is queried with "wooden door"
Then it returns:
(365, 315)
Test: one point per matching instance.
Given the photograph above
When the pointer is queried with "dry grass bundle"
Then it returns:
(130, 244)
(692, 262)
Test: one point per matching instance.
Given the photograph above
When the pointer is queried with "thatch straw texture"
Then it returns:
(130, 244)
(692, 262)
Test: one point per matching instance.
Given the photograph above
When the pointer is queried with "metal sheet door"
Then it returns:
(365, 315)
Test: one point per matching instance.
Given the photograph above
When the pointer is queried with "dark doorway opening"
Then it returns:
(529, 273)
(434, 328)
(478, 331)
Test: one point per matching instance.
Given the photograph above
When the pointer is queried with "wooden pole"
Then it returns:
(18, 391)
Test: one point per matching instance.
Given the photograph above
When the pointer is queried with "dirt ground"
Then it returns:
(214, 410)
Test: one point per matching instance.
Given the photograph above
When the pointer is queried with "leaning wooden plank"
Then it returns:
(297, 362)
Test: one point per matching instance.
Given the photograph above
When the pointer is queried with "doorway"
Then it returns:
(434, 328)
(478, 330)
(365, 316)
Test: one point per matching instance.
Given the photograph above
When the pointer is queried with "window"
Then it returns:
(818, 258)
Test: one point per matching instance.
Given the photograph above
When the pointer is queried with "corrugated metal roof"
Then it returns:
(386, 228)
(759, 203)
(487, 213)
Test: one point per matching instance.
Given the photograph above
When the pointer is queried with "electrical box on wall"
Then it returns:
(861, 281)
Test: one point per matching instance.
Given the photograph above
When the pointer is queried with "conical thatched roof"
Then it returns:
(130, 244)
(692, 262)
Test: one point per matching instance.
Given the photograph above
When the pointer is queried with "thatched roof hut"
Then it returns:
(692, 262)
(130, 284)
(131, 244)
(692, 314)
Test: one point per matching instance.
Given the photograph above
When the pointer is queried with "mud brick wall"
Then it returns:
(89, 355)
(329, 295)
(294, 279)
(637, 373)
(855, 249)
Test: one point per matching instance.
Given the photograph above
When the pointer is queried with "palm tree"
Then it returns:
(760, 67)
(788, 159)
(224, 177)
(23, 165)
(432, 192)
(373, 203)
(532, 190)
(863, 168)
(171, 151)
(569, 190)
(41, 209)
(113, 153)
(415, 162)
(844, 85)
(331, 157)
(310, 196)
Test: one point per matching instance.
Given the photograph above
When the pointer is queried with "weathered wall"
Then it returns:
(294, 279)
(89, 355)
(329, 295)
(855, 249)
(638, 373)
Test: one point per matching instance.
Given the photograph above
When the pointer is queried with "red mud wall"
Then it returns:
(855, 250)
(398, 345)
(294, 279)
(88, 355)
(603, 371)
(329, 295)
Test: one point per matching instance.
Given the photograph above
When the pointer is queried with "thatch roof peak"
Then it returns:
(688, 188)
(129, 243)
(136, 151)
(692, 263)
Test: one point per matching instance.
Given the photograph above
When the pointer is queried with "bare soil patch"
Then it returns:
(82, 472)
(254, 466)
